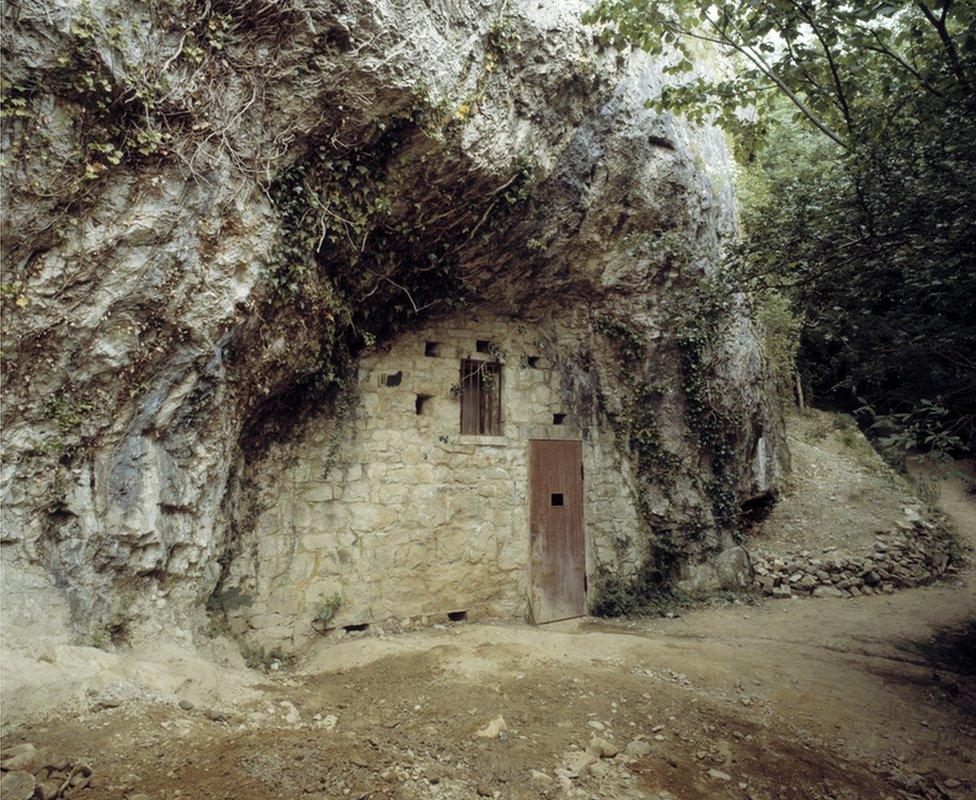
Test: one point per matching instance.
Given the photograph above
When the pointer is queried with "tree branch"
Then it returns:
(760, 63)
(947, 43)
(884, 50)
(838, 87)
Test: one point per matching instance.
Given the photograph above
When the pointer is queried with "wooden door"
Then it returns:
(558, 561)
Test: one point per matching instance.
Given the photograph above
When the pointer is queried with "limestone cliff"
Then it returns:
(212, 207)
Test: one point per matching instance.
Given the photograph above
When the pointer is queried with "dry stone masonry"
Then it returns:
(406, 518)
(914, 554)
(32, 774)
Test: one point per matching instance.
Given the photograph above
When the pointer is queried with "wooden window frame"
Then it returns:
(481, 398)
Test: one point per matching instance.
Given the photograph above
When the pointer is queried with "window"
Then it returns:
(481, 398)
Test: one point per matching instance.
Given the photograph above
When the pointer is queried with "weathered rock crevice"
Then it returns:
(213, 209)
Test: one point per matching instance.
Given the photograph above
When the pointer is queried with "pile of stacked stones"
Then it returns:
(915, 554)
(32, 774)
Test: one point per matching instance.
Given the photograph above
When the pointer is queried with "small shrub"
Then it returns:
(327, 612)
(256, 657)
(649, 592)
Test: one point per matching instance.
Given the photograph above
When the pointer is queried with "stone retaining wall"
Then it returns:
(413, 520)
(915, 554)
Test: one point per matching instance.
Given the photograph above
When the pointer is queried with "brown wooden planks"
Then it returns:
(558, 553)
(481, 397)
(470, 398)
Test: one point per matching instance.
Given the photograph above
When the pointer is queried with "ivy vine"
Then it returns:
(701, 324)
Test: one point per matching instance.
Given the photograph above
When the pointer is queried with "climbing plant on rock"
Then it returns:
(859, 121)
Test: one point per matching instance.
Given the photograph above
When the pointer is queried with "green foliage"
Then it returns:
(327, 197)
(519, 188)
(73, 415)
(11, 291)
(781, 340)
(119, 117)
(652, 594)
(700, 319)
(330, 607)
(927, 426)
(647, 593)
(503, 38)
(361, 249)
(858, 128)
(875, 251)
(635, 424)
(831, 61)
(69, 413)
(256, 657)
(15, 101)
(701, 322)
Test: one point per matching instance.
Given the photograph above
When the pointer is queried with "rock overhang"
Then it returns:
(154, 331)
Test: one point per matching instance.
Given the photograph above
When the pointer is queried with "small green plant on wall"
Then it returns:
(330, 607)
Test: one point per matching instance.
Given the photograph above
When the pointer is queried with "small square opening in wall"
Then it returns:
(532, 362)
(420, 405)
(558, 419)
(393, 380)
(482, 345)
(556, 499)
(457, 616)
(432, 349)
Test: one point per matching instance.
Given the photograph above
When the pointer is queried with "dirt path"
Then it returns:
(841, 490)
(951, 488)
(799, 699)
(856, 698)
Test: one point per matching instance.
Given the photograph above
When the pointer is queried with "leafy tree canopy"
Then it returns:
(857, 127)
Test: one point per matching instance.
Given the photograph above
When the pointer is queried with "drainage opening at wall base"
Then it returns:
(457, 616)
(359, 626)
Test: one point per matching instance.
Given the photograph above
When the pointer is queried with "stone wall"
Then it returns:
(913, 554)
(405, 518)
